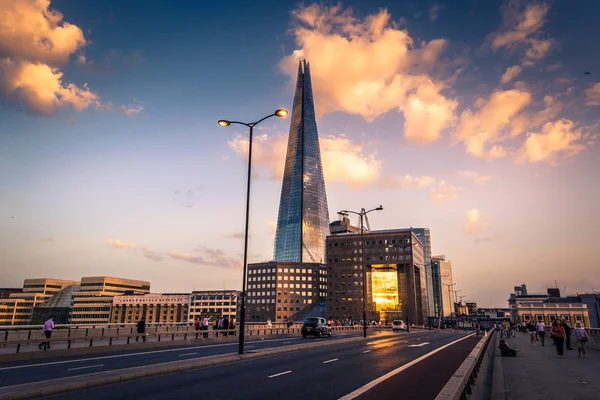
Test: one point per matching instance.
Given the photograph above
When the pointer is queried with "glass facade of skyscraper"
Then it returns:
(303, 221)
(425, 237)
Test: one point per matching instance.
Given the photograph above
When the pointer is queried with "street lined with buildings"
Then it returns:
(331, 372)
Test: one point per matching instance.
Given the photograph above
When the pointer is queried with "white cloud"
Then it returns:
(369, 67)
(592, 95)
(343, 160)
(559, 137)
(118, 244)
(406, 181)
(131, 110)
(474, 224)
(34, 43)
(434, 11)
(495, 152)
(488, 123)
(511, 73)
(474, 176)
(444, 192)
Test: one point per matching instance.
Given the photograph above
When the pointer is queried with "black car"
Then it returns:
(315, 326)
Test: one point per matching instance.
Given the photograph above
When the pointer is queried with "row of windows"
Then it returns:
(212, 297)
(212, 310)
(369, 258)
(370, 242)
(214, 303)
(539, 317)
(262, 286)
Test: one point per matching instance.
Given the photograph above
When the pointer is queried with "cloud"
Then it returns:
(490, 120)
(407, 181)
(369, 67)
(592, 95)
(511, 73)
(474, 176)
(131, 110)
(343, 160)
(210, 257)
(444, 192)
(151, 255)
(474, 223)
(235, 235)
(521, 28)
(495, 152)
(434, 11)
(118, 244)
(34, 43)
(559, 137)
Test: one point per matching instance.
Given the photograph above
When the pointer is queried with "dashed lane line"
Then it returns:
(330, 361)
(279, 374)
(86, 367)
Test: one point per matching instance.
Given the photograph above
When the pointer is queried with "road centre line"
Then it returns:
(330, 361)
(279, 374)
(418, 345)
(135, 354)
(358, 392)
(89, 366)
(366, 351)
(187, 354)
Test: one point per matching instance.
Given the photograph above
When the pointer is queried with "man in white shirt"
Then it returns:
(541, 330)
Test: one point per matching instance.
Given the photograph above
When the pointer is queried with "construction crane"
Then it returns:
(308, 251)
(367, 226)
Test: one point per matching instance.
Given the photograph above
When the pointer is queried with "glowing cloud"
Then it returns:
(560, 137)
(511, 73)
(444, 192)
(369, 67)
(118, 244)
(592, 95)
(474, 176)
(474, 223)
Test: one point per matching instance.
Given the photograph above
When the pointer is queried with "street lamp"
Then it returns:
(362, 214)
(282, 113)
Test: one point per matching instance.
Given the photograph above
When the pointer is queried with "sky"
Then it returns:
(474, 119)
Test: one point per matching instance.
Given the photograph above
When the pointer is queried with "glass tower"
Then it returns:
(303, 222)
(425, 237)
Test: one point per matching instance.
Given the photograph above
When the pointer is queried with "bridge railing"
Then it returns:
(109, 334)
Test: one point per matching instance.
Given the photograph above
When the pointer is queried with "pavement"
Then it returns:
(20, 372)
(538, 373)
(329, 372)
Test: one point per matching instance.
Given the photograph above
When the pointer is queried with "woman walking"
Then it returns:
(558, 334)
(581, 337)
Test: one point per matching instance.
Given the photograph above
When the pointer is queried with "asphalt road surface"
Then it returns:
(19, 372)
(330, 372)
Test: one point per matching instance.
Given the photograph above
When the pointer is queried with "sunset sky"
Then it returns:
(472, 118)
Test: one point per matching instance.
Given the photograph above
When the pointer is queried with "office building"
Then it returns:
(441, 292)
(395, 276)
(6, 292)
(18, 308)
(92, 304)
(282, 291)
(303, 220)
(215, 304)
(343, 225)
(58, 306)
(155, 308)
(424, 237)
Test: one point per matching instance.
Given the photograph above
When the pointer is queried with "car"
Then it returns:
(398, 325)
(315, 326)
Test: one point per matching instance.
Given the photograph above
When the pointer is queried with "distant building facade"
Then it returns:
(153, 307)
(424, 236)
(93, 302)
(6, 292)
(215, 304)
(441, 291)
(395, 276)
(18, 308)
(282, 291)
(343, 225)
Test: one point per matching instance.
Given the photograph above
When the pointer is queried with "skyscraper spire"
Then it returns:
(303, 221)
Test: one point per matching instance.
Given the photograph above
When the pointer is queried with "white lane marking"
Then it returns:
(377, 381)
(89, 366)
(279, 374)
(366, 351)
(138, 354)
(187, 354)
(418, 345)
(330, 361)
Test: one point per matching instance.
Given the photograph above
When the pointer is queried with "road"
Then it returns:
(330, 372)
(19, 372)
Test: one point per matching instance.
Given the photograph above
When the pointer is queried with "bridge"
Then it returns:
(177, 361)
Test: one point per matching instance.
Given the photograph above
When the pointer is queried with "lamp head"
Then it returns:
(379, 208)
(281, 113)
(343, 212)
(223, 122)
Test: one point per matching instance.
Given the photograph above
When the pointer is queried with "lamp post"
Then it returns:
(282, 113)
(362, 214)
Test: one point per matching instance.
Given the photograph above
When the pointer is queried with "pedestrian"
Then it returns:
(541, 330)
(513, 329)
(232, 326)
(225, 325)
(477, 327)
(567, 329)
(582, 338)
(205, 327)
(558, 334)
(47, 330)
(141, 330)
(197, 324)
(531, 329)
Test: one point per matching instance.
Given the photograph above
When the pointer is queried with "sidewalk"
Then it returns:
(537, 372)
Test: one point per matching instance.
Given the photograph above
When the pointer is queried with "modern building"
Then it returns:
(6, 292)
(424, 236)
(215, 304)
(285, 291)
(343, 225)
(58, 306)
(395, 276)
(92, 304)
(472, 307)
(35, 292)
(303, 221)
(592, 301)
(441, 291)
(155, 308)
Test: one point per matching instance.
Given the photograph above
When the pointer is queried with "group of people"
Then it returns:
(221, 323)
(561, 334)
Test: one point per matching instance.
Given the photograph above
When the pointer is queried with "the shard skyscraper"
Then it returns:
(303, 222)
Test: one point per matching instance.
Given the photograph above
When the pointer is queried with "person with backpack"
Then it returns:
(582, 338)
